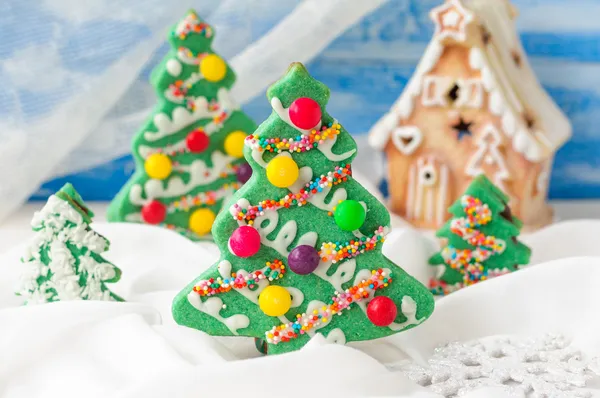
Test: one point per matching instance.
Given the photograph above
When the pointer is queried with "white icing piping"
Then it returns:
(188, 58)
(511, 125)
(213, 309)
(213, 306)
(408, 306)
(336, 336)
(200, 175)
(404, 106)
(182, 117)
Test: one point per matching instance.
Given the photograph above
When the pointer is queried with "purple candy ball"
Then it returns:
(244, 172)
(303, 259)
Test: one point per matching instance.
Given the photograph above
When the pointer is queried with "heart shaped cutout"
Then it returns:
(407, 139)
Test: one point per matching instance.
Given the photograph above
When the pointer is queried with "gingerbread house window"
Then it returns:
(434, 90)
(470, 93)
(454, 93)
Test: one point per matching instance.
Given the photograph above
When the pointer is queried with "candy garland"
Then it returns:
(300, 143)
(340, 174)
(209, 287)
(339, 251)
(191, 24)
(469, 262)
(320, 317)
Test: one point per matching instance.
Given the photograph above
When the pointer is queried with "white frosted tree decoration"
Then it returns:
(64, 260)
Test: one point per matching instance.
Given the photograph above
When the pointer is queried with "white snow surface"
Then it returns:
(135, 349)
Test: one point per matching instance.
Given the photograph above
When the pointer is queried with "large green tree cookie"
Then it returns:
(301, 240)
(64, 260)
(481, 239)
(189, 153)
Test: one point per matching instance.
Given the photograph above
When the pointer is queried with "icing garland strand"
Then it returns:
(177, 92)
(186, 56)
(338, 176)
(203, 198)
(340, 301)
(300, 143)
(469, 262)
(339, 251)
(209, 287)
(441, 288)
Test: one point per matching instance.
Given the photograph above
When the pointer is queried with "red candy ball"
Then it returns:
(154, 212)
(245, 241)
(382, 311)
(305, 113)
(197, 141)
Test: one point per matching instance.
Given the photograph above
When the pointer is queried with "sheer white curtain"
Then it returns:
(73, 89)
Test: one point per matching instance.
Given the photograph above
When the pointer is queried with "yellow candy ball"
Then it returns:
(158, 166)
(275, 300)
(234, 144)
(282, 171)
(201, 221)
(213, 68)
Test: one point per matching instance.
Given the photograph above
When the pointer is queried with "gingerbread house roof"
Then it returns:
(516, 96)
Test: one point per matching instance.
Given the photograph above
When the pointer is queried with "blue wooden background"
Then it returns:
(368, 66)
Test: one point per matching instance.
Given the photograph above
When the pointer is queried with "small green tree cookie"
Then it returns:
(189, 153)
(481, 239)
(301, 241)
(64, 262)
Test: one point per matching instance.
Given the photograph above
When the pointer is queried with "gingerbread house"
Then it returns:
(473, 106)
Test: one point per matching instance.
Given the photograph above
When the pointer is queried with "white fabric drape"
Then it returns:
(73, 100)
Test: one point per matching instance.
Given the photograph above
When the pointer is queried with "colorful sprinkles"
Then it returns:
(469, 262)
(209, 287)
(178, 92)
(191, 24)
(339, 251)
(300, 143)
(441, 288)
(320, 317)
(208, 198)
(317, 185)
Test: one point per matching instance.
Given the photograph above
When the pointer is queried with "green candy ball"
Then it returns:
(349, 215)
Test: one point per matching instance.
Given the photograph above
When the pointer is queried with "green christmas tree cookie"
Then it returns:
(64, 261)
(481, 239)
(301, 240)
(189, 153)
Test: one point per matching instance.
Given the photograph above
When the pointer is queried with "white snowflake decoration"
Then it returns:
(548, 367)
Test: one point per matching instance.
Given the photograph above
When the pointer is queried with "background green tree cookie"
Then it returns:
(189, 153)
(481, 239)
(287, 269)
(64, 261)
